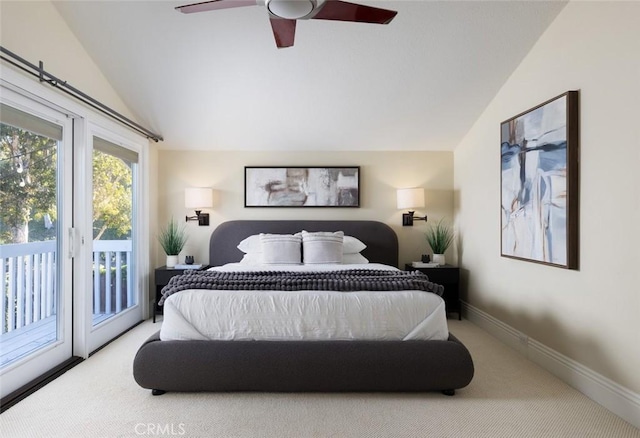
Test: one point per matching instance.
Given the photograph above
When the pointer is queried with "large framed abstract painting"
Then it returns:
(539, 183)
(302, 186)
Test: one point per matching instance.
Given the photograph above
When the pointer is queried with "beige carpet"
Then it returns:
(508, 397)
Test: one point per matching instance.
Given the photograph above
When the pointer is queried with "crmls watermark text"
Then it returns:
(155, 429)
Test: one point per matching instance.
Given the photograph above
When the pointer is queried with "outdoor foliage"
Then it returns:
(28, 210)
(27, 182)
(112, 179)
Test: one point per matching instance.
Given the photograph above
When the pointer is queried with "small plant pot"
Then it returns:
(439, 258)
(172, 261)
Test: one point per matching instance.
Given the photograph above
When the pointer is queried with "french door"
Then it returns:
(112, 239)
(72, 231)
(36, 200)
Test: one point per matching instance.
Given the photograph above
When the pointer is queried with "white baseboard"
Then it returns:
(613, 396)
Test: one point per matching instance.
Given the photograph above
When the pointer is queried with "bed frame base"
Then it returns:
(449, 392)
(303, 366)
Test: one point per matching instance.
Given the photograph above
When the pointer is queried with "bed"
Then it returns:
(303, 365)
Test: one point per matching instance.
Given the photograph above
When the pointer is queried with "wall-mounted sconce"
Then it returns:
(197, 198)
(408, 199)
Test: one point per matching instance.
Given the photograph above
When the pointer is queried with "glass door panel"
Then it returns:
(114, 277)
(35, 206)
(113, 290)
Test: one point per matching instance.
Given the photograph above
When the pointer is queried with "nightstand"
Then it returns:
(449, 277)
(163, 275)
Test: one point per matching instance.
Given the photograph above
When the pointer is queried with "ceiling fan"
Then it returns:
(284, 13)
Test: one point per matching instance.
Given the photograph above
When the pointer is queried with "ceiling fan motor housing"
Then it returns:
(293, 9)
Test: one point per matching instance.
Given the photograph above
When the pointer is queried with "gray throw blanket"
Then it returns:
(342, 281)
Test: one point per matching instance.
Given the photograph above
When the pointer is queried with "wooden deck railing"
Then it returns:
(112, 293)
(28, 281)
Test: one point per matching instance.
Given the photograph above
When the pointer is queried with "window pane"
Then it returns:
(28, 238)
(112, 234)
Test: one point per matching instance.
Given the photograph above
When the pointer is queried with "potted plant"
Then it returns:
(172, 238)
(439, 238)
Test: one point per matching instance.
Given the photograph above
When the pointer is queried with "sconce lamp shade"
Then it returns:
(410, 198)
(198, 198)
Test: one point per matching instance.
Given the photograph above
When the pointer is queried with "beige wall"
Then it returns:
(35, 31)
(381, 174)
(591, 315)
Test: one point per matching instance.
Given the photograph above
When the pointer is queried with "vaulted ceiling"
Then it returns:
(216, 81)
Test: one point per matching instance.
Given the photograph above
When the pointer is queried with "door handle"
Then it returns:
(72, 241)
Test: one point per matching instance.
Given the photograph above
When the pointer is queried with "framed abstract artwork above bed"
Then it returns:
(539, 183)
(302, 186)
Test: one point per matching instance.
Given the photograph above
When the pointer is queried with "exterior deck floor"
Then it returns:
(19, 343)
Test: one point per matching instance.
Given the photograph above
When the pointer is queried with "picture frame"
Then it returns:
(539, 179)
(302, 186)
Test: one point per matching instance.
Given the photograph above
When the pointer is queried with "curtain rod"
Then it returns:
(44, 76)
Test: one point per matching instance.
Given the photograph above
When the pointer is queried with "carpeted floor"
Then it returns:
(508, 397)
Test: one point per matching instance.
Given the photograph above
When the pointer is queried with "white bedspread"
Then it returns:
(303, 315)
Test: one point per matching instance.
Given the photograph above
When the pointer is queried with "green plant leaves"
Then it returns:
(172, 238)
(439, 237)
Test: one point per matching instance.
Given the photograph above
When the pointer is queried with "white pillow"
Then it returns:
(254, 258)
(354, 259)
(280, 249)
(347, 259)
(250, 245)
(322, 247)
(351, 245)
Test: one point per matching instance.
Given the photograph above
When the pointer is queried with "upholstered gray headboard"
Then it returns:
(381, 240)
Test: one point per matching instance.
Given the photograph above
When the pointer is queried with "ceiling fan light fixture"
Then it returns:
(291, 9)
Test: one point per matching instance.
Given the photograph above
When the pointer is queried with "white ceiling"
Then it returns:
(216, 81)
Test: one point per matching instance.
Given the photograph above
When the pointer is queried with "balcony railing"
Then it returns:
(28, 281)
(112, 293)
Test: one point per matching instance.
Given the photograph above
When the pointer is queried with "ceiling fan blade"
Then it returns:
(213, 5)
(284, 31)
(345, 11)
